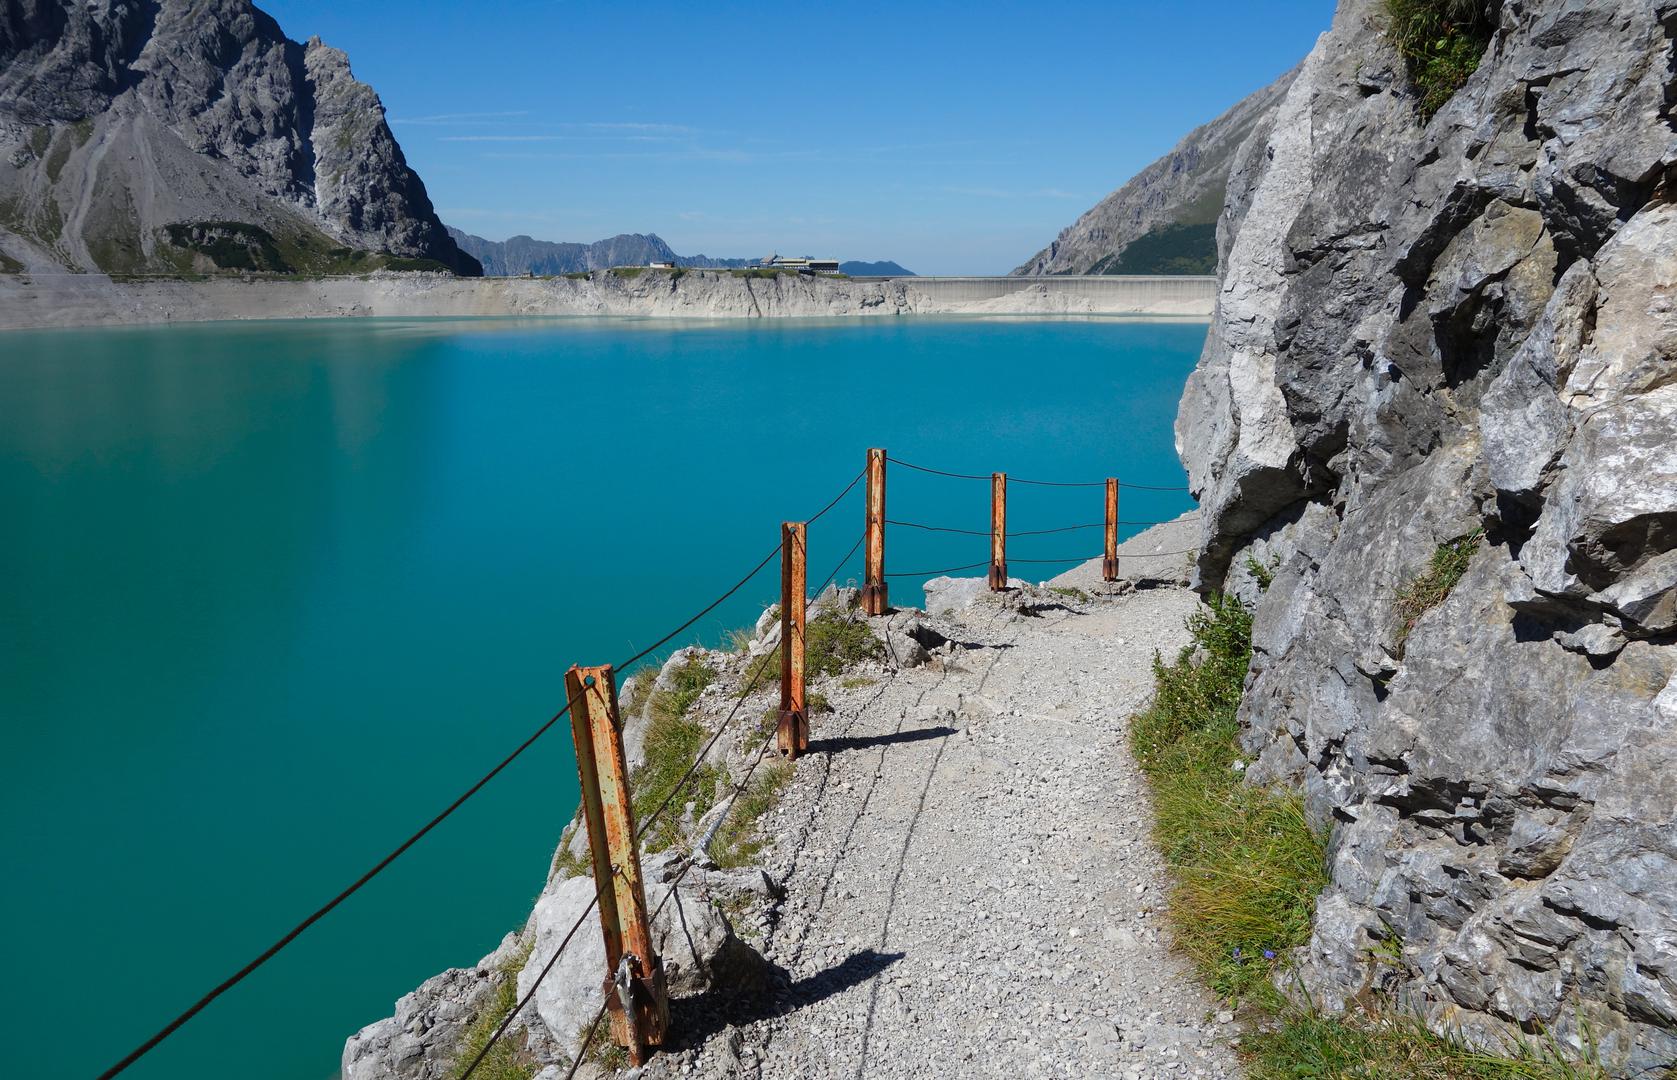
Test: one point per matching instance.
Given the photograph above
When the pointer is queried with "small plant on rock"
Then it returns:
(835, 643)
(1442, 42)
(1430, 588)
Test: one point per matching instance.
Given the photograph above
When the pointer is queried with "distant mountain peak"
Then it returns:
(1163, 220)
(124, 126)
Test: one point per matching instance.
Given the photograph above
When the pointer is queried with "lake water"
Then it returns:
(273, 594)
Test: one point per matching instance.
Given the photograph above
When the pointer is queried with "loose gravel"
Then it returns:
(970, 887)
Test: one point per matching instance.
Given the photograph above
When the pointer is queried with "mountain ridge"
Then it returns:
(1163, 219)
(195, 136)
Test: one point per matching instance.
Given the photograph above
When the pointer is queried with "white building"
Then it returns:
(811, 265)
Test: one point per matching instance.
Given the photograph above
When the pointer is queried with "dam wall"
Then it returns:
(1111, 294)
(45, 300)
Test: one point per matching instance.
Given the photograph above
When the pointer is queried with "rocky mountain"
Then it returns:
(883, 268)
(193, 135)
(1164, 219)
(1447, 348)
(521, 255)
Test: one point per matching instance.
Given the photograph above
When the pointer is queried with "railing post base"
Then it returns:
(876, 599)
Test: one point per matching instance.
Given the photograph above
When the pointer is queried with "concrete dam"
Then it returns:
(1101, 294)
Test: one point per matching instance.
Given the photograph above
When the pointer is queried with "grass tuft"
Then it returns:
(834, 643)
(673, 740)
(1430, 588)
(1397, 1046)
(506, 1060)
(737, 842)
(1246, 862)
(1441, 42)
(1247, 868)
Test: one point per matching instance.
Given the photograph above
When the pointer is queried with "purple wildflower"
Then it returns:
(1269, 954)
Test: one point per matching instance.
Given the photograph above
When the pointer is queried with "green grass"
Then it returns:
(833, 643)
(1430, 588)
(506, 1061)
(856, 682)
(1442, 42)
(1246, 869)
(1069, 592)
(1396, 1046)
(1246, 863)
(737, 842)
(1263, 574)
(673, 741)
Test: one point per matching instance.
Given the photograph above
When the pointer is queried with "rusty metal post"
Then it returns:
(1109, 565)
(998, 531)
(634, 985)
(792, 735)
(875, 600)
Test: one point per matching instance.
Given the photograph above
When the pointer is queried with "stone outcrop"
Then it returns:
(119, 120)
(1174, 201)
(1465, 328)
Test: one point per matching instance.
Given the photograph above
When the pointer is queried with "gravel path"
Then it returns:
(970, 887)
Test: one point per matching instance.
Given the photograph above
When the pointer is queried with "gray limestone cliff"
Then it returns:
(1465, 330)
(1163, 220)
(193, 135)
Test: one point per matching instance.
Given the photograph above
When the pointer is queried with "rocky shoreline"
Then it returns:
(52, 300)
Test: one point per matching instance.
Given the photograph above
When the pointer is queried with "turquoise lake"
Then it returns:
(275, 593)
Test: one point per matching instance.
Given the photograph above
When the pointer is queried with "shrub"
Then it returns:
(1441, 42)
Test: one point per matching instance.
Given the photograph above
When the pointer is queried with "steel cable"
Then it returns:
(296, 931)
(640, 832)
(268, 953)
(935, 573)
(1038, 483)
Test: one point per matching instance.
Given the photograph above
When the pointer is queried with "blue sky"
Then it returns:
(952, 138)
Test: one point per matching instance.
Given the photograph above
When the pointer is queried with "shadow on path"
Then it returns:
(840, 744)
(695, 1019)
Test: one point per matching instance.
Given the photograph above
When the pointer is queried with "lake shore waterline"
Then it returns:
(78, 300)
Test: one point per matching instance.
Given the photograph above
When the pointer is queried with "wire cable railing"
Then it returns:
(1037, 483)
(295, 932)
(642, 828)
(875, 572)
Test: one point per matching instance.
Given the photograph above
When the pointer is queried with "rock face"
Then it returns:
(1169, 209)
(121, 119)
(1466, 328)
